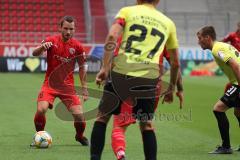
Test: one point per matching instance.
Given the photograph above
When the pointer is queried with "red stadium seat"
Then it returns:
(30, 27)
(13, 27)
(60, 1)
(44, 28)
(61, 7)
(37, 7)
(6, 19)
(45, 20)
(37, 13)
(29, 13)
(5, 13)
(21, 27)
(50, 28)
(5, 27)
(61, 13)
(44, 13)
(5, 6)
(13, 6)
(54, 13)
(31, 37)
(28, 7)
(28, 1)
(23, 1)
(21, 6)
(54, 20)
(39, 37)
(6, 37)
(29, 20)
(13, 13)
(13, 20)
(14, 37)
(21, 20)
(21, 13)
(44, 1)
(37, 28)
(50, 2)
(37, 20)
(22, 37)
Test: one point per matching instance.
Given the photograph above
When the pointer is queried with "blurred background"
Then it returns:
(32, 20)
(186, 134)
(25, 23)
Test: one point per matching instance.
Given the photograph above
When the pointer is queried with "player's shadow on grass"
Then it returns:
(69, 145)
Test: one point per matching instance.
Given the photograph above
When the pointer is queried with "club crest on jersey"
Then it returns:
(71, 50)
(221, 55)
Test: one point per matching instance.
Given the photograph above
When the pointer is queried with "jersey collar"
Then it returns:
(148, 5)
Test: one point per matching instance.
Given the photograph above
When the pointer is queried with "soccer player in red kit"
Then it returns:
(125, 118)
(63, 52)
(234, 38)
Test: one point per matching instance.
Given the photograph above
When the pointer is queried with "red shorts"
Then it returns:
(49, 95)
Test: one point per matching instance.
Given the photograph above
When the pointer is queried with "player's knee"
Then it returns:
(42, 109)
(103, 118)
(220, 107)
(78, 117)
(146, 126)
(76, 109)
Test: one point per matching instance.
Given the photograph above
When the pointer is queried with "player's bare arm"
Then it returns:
(110, 44)
(236, 69)
(83, 80)
(42, 48)
(174, 62)
(179, 92)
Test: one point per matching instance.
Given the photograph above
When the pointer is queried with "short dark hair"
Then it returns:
(208, 31)
(69, 19)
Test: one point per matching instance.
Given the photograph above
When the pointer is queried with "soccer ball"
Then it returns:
(42, 139)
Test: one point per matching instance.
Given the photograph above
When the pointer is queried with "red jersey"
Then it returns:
(234, 40)
(61, 60)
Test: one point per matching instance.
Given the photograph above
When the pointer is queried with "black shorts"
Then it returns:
(231, 98)
(141, 91)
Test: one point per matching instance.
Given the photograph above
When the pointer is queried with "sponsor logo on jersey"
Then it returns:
(71, 50)
(221, 55)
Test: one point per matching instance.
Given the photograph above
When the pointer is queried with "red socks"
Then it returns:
(80, 127)
(118, 142)
(39, 121)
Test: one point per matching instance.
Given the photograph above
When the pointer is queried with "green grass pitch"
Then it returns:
(186, 134)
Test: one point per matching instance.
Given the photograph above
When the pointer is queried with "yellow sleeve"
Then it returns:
(172, 41)
(224, 55)
(122, 14)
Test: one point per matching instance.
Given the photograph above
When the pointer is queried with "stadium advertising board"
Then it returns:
(18, 57)
(33, 64)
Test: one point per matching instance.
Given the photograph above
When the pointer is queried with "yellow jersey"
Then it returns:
(222, 53)
(145, 34)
